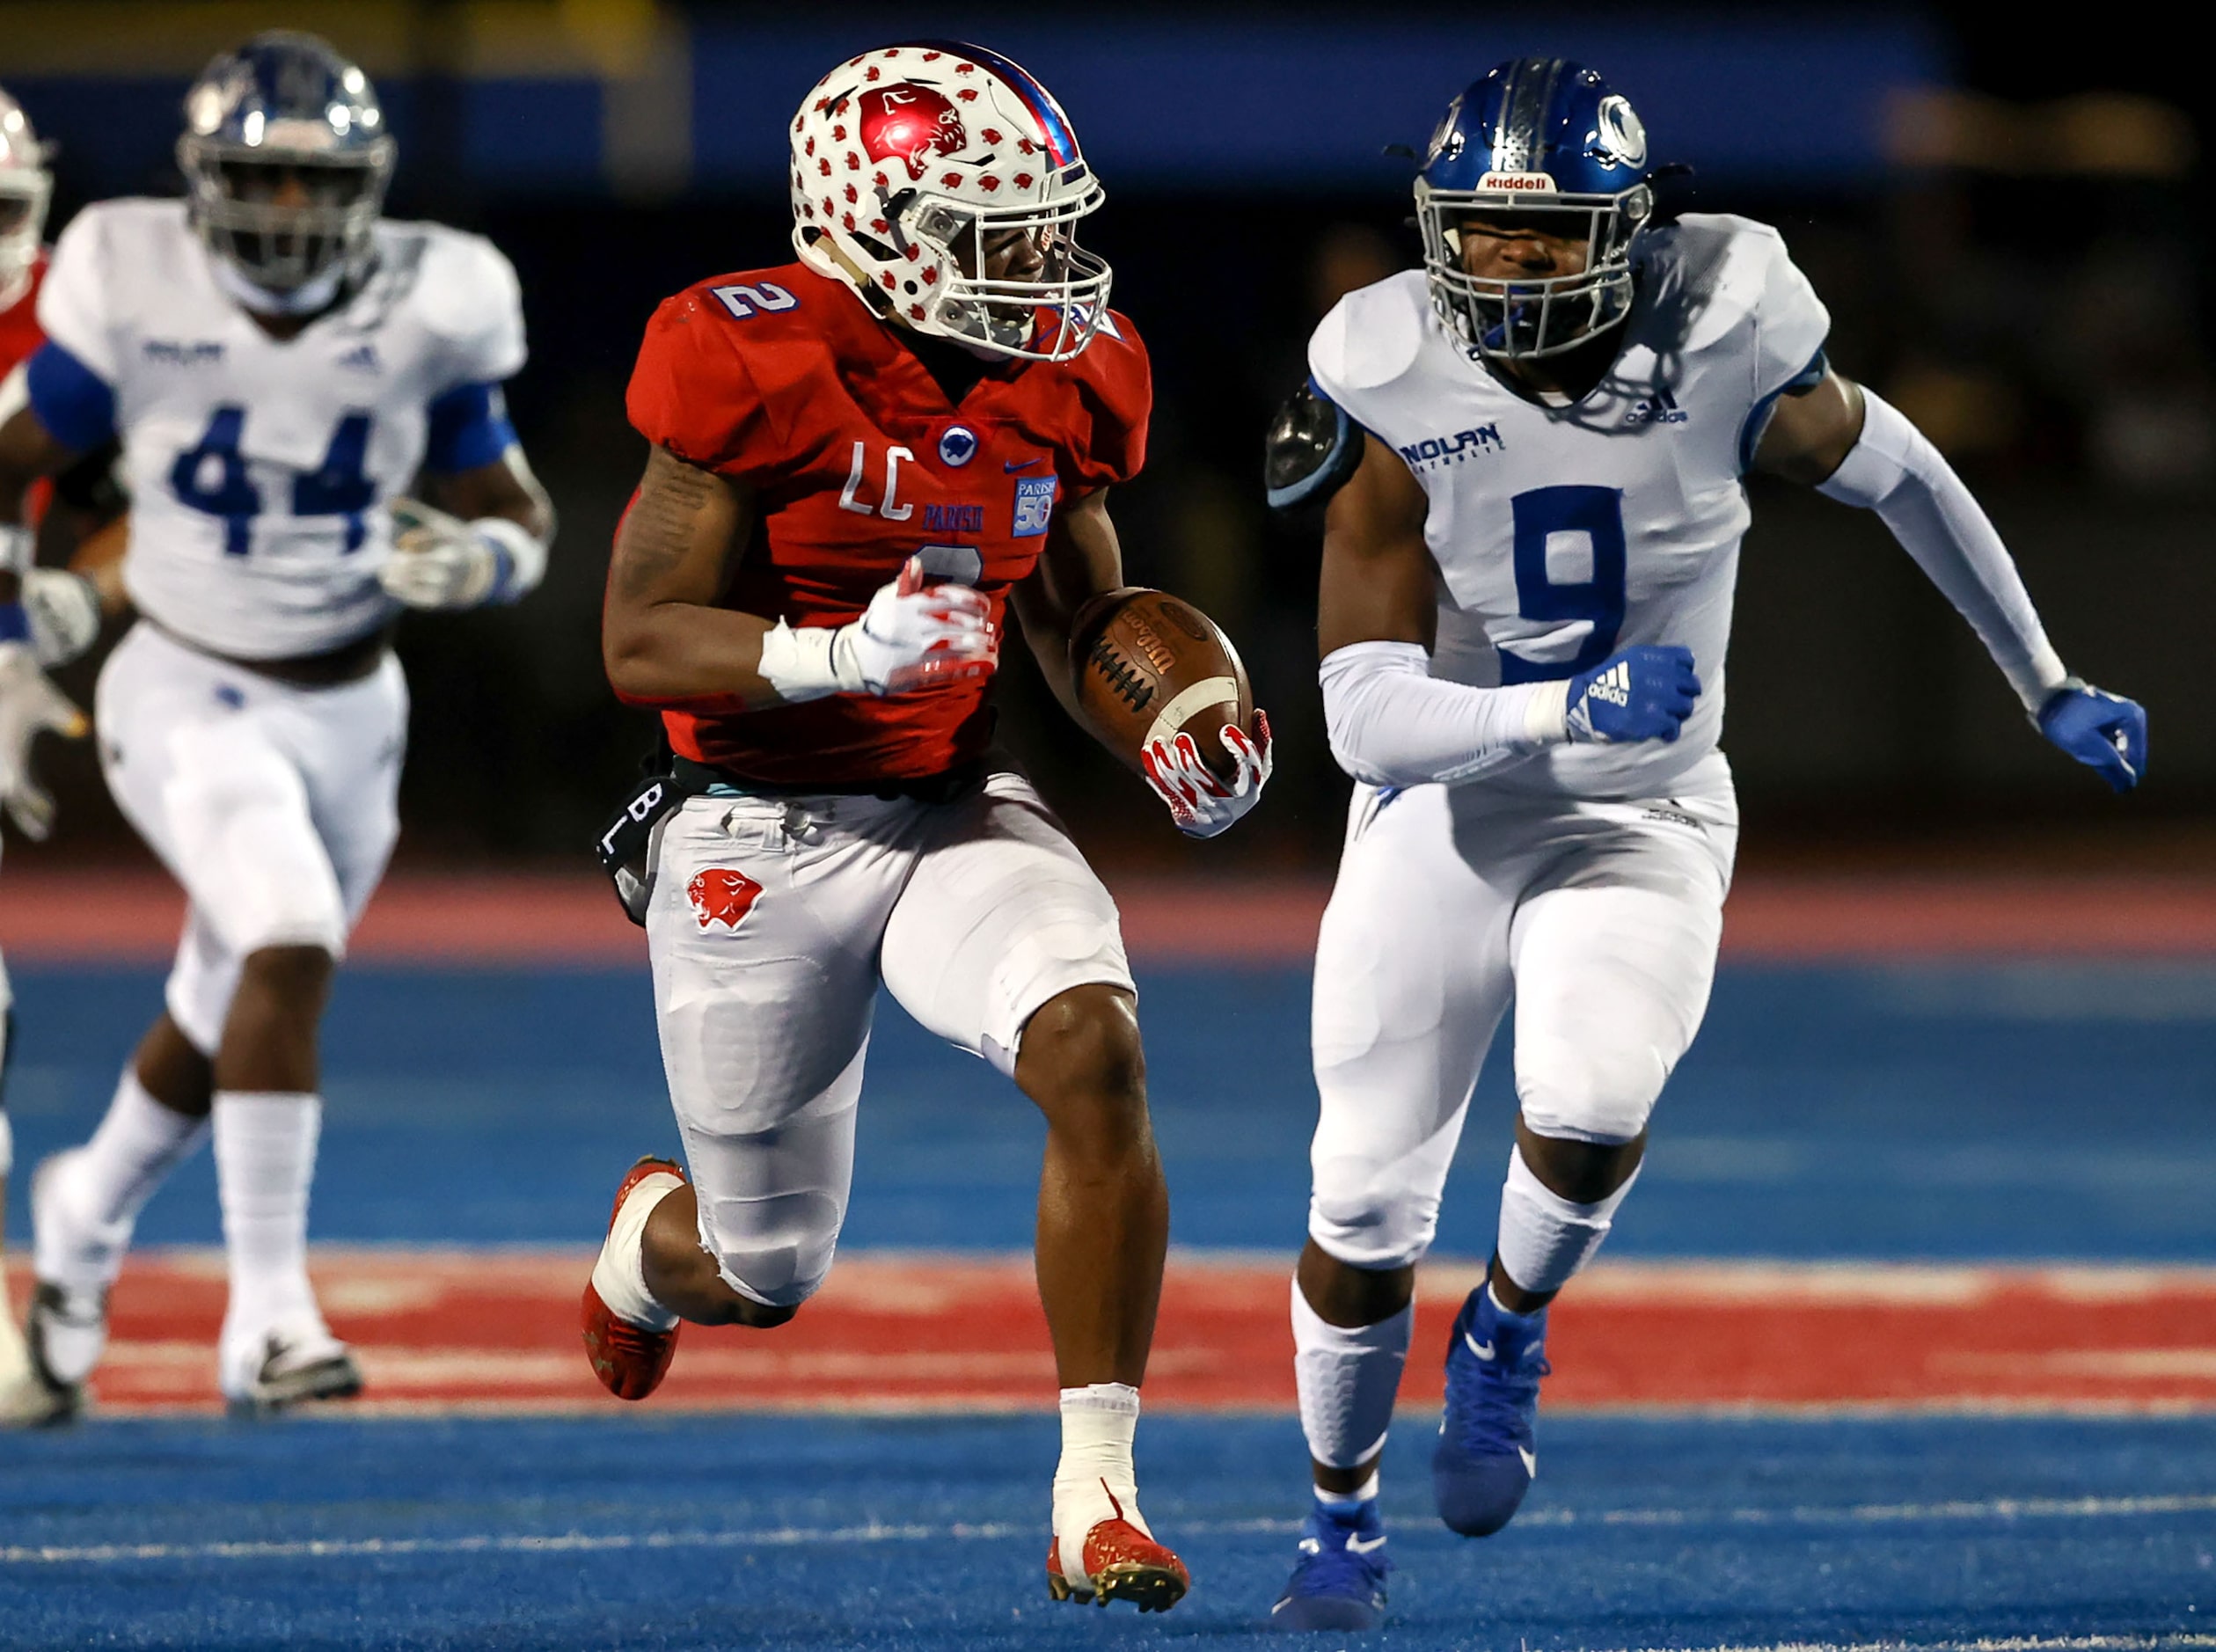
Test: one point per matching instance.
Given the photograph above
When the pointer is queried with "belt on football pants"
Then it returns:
(699, 779)
(628, 843)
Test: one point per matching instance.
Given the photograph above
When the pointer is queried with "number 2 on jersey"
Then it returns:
(1597, 515)
(745, 299)
(212, 477)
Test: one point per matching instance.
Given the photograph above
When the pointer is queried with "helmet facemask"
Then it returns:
(26, 189)
(1051, 296)
(1526, 319)
(284, 247)
(25, 193)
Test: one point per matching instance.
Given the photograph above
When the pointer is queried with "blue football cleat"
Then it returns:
(1339, 1581)
(1488, 1449)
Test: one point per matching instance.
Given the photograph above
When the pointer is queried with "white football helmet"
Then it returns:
(25, 189)
(911, 162)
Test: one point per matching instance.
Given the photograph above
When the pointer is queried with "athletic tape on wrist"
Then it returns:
(522, 553)
(798, 664)
(18, 547)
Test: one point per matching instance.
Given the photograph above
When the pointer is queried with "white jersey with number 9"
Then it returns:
(1564, 533)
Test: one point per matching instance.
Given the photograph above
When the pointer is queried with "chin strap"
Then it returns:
(304, 300)
(823, 256)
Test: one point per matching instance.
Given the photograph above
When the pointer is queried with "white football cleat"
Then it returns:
(292, 1365)
(62, 1342)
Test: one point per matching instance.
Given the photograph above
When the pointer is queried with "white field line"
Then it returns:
(2003, 1509)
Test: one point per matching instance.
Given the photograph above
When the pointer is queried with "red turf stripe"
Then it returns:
(909, 1333)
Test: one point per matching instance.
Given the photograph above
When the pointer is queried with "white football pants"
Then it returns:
(770, 924)
(1600, 919)
(275, 807)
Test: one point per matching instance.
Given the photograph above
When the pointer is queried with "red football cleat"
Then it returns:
(629, 1360)
(1121, 1563)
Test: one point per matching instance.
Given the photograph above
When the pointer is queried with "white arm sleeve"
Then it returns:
(1392, 723)
(1894, 472)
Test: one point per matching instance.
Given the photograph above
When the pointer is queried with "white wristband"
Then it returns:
(1546, 713)
(522, 557)
(805, 664)
(19, 546)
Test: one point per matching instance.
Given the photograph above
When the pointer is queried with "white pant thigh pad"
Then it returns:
(1411, 979)
(246, 841)
(1001, 916)
(763, 930)
(1614, 952)
(273, 805)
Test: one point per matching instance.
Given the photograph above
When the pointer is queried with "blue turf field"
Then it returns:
(2028, 1111)
(930, 1535)
(2036, 1110)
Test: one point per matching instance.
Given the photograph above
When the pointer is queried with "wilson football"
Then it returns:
(1149, 665)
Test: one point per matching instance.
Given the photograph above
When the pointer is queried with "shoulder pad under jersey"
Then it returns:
(1313, 450)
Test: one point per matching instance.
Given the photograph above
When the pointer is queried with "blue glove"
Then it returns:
(2101, 730)
(1639, 694)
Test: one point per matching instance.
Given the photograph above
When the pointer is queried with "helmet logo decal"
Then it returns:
(1620, 133)
(957, 446)
(1518, 183)
(909, 123)
(1447, 139)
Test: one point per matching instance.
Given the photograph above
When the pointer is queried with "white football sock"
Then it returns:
(1347, 1502)
(265, 1160)
(1094, 1480)
(97, 1192)
(620, 1274)
(1348, 1377)
(1545, 1239)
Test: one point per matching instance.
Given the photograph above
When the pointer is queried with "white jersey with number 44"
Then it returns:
(1563, 534)
(259, 469)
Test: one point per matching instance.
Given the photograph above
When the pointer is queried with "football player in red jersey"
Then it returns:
(47, 617)
(862, 461)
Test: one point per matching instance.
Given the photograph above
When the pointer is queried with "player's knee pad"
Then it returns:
(771, 1202)
(1602, 1095)
(258, 873)
(775, 1248)
(1372, 1214)
(203, 981)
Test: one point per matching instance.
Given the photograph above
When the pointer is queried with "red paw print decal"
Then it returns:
(719, 895)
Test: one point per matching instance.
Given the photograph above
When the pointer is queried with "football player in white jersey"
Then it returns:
(279, 363)
(1537, 443)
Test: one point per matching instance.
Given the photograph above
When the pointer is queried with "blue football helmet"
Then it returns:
(1544, 139)
(285, 110)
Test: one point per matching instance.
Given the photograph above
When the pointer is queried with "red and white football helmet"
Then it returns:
(26, 187)
(908, 161)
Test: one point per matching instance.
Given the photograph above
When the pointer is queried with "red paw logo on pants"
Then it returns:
(721, 895)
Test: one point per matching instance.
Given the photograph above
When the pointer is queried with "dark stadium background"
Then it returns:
(2011, 234)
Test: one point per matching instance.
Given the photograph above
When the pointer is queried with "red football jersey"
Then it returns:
(19, 336)
(859, 460)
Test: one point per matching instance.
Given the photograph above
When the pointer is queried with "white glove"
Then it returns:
(64, 611)
(440, 561)
(28, 705)
(1200, 804)
(912, 637)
